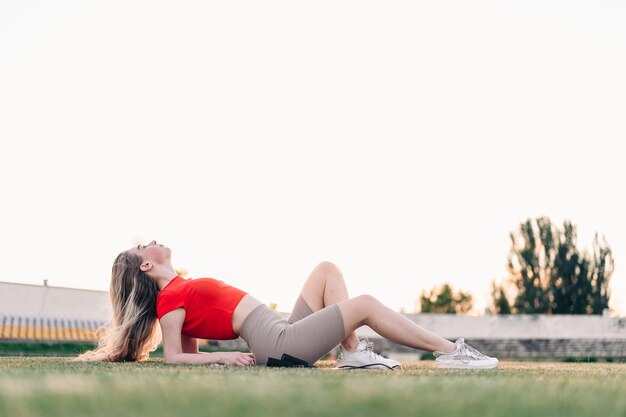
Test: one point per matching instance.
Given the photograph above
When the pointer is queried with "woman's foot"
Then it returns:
(364, 358)
(464, 357)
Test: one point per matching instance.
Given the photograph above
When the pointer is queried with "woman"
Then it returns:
(145, 288)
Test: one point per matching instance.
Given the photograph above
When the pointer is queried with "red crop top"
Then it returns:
(209, 304)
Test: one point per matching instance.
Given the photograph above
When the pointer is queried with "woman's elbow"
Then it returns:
(170, 359)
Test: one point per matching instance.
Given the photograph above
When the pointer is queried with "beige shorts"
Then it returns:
(305, 334)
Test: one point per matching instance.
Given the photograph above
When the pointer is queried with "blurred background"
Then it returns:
(413, 145)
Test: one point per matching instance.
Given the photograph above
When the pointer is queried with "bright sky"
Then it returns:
(402, 141)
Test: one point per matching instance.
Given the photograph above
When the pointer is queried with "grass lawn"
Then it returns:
(52, 386)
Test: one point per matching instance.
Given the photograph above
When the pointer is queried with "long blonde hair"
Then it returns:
(132, 332)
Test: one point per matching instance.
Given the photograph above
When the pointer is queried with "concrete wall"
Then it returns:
(512, 336)
(39, 301)
(58, 302)
(502, 336)
(522, 326)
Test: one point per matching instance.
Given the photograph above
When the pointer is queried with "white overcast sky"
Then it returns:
(401, 140)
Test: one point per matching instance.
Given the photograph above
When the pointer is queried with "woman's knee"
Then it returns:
(356, 312)
(368, 300)
(361, 306)
(327, 266)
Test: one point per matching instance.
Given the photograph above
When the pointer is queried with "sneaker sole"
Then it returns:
(465, 366)
(370, 366)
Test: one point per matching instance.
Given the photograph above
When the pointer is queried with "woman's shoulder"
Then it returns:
(179, 283)
(174, 285)
(210, 280)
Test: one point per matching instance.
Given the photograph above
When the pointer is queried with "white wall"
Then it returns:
(58, 302)
(520, 326)
(53, 302)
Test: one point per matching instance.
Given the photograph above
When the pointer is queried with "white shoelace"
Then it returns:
(467, 351)
(369, 348)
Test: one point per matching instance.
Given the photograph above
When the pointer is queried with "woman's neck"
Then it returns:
(163, 276)
(162, 282)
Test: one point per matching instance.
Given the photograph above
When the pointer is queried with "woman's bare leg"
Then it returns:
(325, 286)
(367, 310)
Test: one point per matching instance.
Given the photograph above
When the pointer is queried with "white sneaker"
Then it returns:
(464, 357)
(364, 358)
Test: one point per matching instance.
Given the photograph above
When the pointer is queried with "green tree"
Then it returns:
(445, 300)
(551, 275)
(500, 300)
(603, 267)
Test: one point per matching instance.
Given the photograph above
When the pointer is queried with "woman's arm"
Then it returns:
(189, 344)
(225, 358)
(171, 325)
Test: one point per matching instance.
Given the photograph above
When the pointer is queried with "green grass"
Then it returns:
(44, 386)
(70, 348)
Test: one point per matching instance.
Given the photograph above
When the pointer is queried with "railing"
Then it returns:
(51, 329)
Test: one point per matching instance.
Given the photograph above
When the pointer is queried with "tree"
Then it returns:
(604, 265)
(444, 300)
(551, 275)
(500, 300)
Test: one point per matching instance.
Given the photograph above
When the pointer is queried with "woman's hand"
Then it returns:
(237, 358)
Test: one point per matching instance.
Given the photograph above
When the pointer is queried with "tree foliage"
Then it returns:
(550, 275)
(500, 299)
(445, 300)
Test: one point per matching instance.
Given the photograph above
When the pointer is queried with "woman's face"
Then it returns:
(152, 252)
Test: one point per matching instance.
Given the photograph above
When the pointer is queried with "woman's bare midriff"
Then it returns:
(245, 306)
